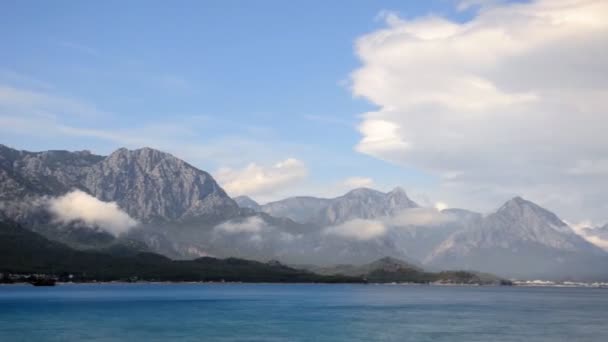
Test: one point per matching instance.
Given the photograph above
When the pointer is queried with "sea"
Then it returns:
(301, 312)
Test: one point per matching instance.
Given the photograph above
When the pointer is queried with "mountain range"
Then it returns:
(146, 200)
(361, 203)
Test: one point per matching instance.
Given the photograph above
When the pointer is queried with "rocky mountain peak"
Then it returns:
(519, 210)
(398, 190)
(397, 198)
(517, 202)
(146, 158)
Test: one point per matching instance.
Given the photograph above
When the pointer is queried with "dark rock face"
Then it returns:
(153, 185)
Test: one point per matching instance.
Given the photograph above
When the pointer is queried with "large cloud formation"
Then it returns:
(512, 101)
(80, 206)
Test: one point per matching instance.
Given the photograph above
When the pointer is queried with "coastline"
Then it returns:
(594, 285)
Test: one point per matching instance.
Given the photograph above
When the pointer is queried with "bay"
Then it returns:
(303, 312)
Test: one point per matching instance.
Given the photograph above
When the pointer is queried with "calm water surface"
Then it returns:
(193, 312)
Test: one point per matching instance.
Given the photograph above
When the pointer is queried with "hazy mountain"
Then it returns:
(419, 231)
(365, 204)
(519, 239)
(463, 214)
(300, 209)
(247, 202)
(359, 203)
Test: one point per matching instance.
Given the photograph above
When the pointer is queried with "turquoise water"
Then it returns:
(192, 312)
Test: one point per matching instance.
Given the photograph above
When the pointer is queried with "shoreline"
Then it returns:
(593, 285)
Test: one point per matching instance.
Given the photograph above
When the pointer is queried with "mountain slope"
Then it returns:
(520, 239)
(149, 184)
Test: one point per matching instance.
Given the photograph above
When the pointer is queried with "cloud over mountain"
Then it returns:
(252, 224)
(357, 229)
(80, 206)
(511, 101)
(255, 179)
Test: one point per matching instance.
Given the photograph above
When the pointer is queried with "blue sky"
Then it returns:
(280, 92)
(274, 72)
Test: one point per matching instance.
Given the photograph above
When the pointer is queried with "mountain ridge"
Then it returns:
(148, 184)
(522, 235)
(184, 213)
(358, 203)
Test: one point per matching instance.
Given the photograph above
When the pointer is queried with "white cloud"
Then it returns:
(80, 206)
(252, 224)
(256, 180)
(512, 99)
(381, 138)
(441, 206)
(357, 229)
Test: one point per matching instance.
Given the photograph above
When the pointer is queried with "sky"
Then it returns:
(462, 103)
